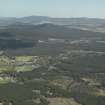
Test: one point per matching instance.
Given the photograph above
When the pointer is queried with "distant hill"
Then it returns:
(31, 32)
(20, 35)
(58, 21)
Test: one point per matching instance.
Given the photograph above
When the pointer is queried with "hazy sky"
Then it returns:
(55, 8)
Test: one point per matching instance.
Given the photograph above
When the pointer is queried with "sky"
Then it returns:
(53, 8)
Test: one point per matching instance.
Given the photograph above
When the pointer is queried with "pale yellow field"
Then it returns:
(23, 58)
(62, 101)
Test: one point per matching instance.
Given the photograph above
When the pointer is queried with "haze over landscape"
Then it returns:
(52, 52)
(53, 8)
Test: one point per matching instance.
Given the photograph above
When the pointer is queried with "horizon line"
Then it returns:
(52, 17)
